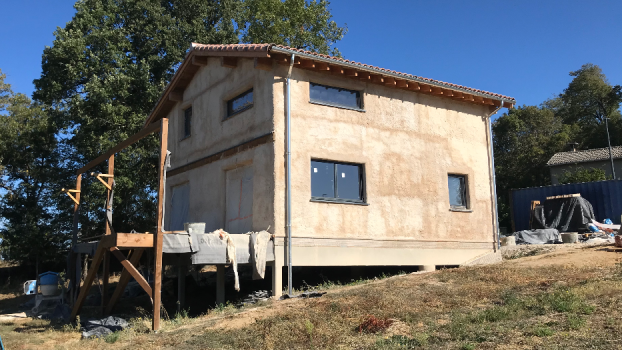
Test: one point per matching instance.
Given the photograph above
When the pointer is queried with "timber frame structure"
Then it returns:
(113, 243)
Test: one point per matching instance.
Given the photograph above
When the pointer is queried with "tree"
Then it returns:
(108, 66)
(586, 102)
(28, 159)
(582, 175)
(524, 140)
(295, 23)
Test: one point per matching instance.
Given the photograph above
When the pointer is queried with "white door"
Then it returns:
(180, 204)
(239, 200)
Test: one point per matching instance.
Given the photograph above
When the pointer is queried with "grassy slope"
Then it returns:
(505, 306)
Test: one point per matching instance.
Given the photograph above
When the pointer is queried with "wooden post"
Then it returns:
(74, 259)
(157, 237)
(220, 284)
(88, 281)
(106, 274)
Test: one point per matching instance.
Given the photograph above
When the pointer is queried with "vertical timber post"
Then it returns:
(75, 259)
(220, 284)
(106, 262)
(157, 237)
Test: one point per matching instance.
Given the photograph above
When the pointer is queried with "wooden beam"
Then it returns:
(496, 103)
(263, 63)
(157, 237)
(321, 66)
(437, 90)
(478, 99)
(108, 208)
(176, 96)
(364, 76)
(200, 61)
(147, 130)
(377, 79)
(309, 64)
(88, 282)
(508, 104)
(123, 281)
(448, 93)
(74, 261)
(458, 95)
(229, 62)
(389, 81)
(488, 101)
(129, 267)
(425, 88)
(401, 83)
(351, 73)
(414, 86)
(336, 70)
(134, 240)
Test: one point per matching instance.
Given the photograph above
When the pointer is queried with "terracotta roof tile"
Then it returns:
(589, 155)
(269, 47)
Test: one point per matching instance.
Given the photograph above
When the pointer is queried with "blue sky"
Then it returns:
(524, 49)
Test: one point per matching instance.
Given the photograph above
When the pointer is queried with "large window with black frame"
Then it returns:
(335, 97)
(187, 129)
(337, 182)
(240, 103)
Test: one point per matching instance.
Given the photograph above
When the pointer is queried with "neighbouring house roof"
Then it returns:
(588, 155)
(265, 53)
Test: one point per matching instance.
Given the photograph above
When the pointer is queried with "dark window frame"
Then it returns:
(359, 98)
(465, 193)
(362, 184)
(228, 104)
(187, 122)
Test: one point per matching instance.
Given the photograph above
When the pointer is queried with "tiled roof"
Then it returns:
(588, 155)
(337, 60)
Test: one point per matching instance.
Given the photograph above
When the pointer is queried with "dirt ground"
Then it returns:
(556, 299)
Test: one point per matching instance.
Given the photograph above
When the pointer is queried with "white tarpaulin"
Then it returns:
(180, 204)
(239, 200)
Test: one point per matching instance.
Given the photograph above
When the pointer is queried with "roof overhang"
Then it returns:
(264, 54)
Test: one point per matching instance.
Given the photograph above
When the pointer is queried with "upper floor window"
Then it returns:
(240, 103)
(340, 182)
(458, 195)
(187, 122)
(334, 96)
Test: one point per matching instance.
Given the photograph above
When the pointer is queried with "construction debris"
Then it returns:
(102, 327)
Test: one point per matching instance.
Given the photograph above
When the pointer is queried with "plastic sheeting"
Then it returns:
(545, 236)
(563, 214)
(239, 200)
(180, 204)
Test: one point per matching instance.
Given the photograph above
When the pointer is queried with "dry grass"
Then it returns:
(504, 306)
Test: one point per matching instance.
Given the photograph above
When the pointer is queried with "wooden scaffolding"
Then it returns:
(113, 243)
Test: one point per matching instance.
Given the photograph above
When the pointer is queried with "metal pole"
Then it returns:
(613, 171)
(289, 180)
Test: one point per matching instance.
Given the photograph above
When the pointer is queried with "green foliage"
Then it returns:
(527, 137)
(29, 157)
(582, 175)
(108, 66)
(300, 24)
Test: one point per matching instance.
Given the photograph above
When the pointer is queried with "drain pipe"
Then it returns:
(288, 136)
(494, 176)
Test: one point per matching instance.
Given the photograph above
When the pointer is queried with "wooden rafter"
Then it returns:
(263, 63)
(200, 61)
(229, 62)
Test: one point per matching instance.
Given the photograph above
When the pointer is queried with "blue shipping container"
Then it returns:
(605, 197)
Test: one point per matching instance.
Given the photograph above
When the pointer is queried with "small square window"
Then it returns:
(240, 103)
(458, 198)
(341, 182)
(187, 122)
(334, 96)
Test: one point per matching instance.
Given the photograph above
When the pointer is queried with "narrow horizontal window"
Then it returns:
(337, 181)
(457, 191)
(187, 122)
(240, 103)
(335, 96)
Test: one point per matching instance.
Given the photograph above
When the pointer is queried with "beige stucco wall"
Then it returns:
(208, 92)
(408, 143)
